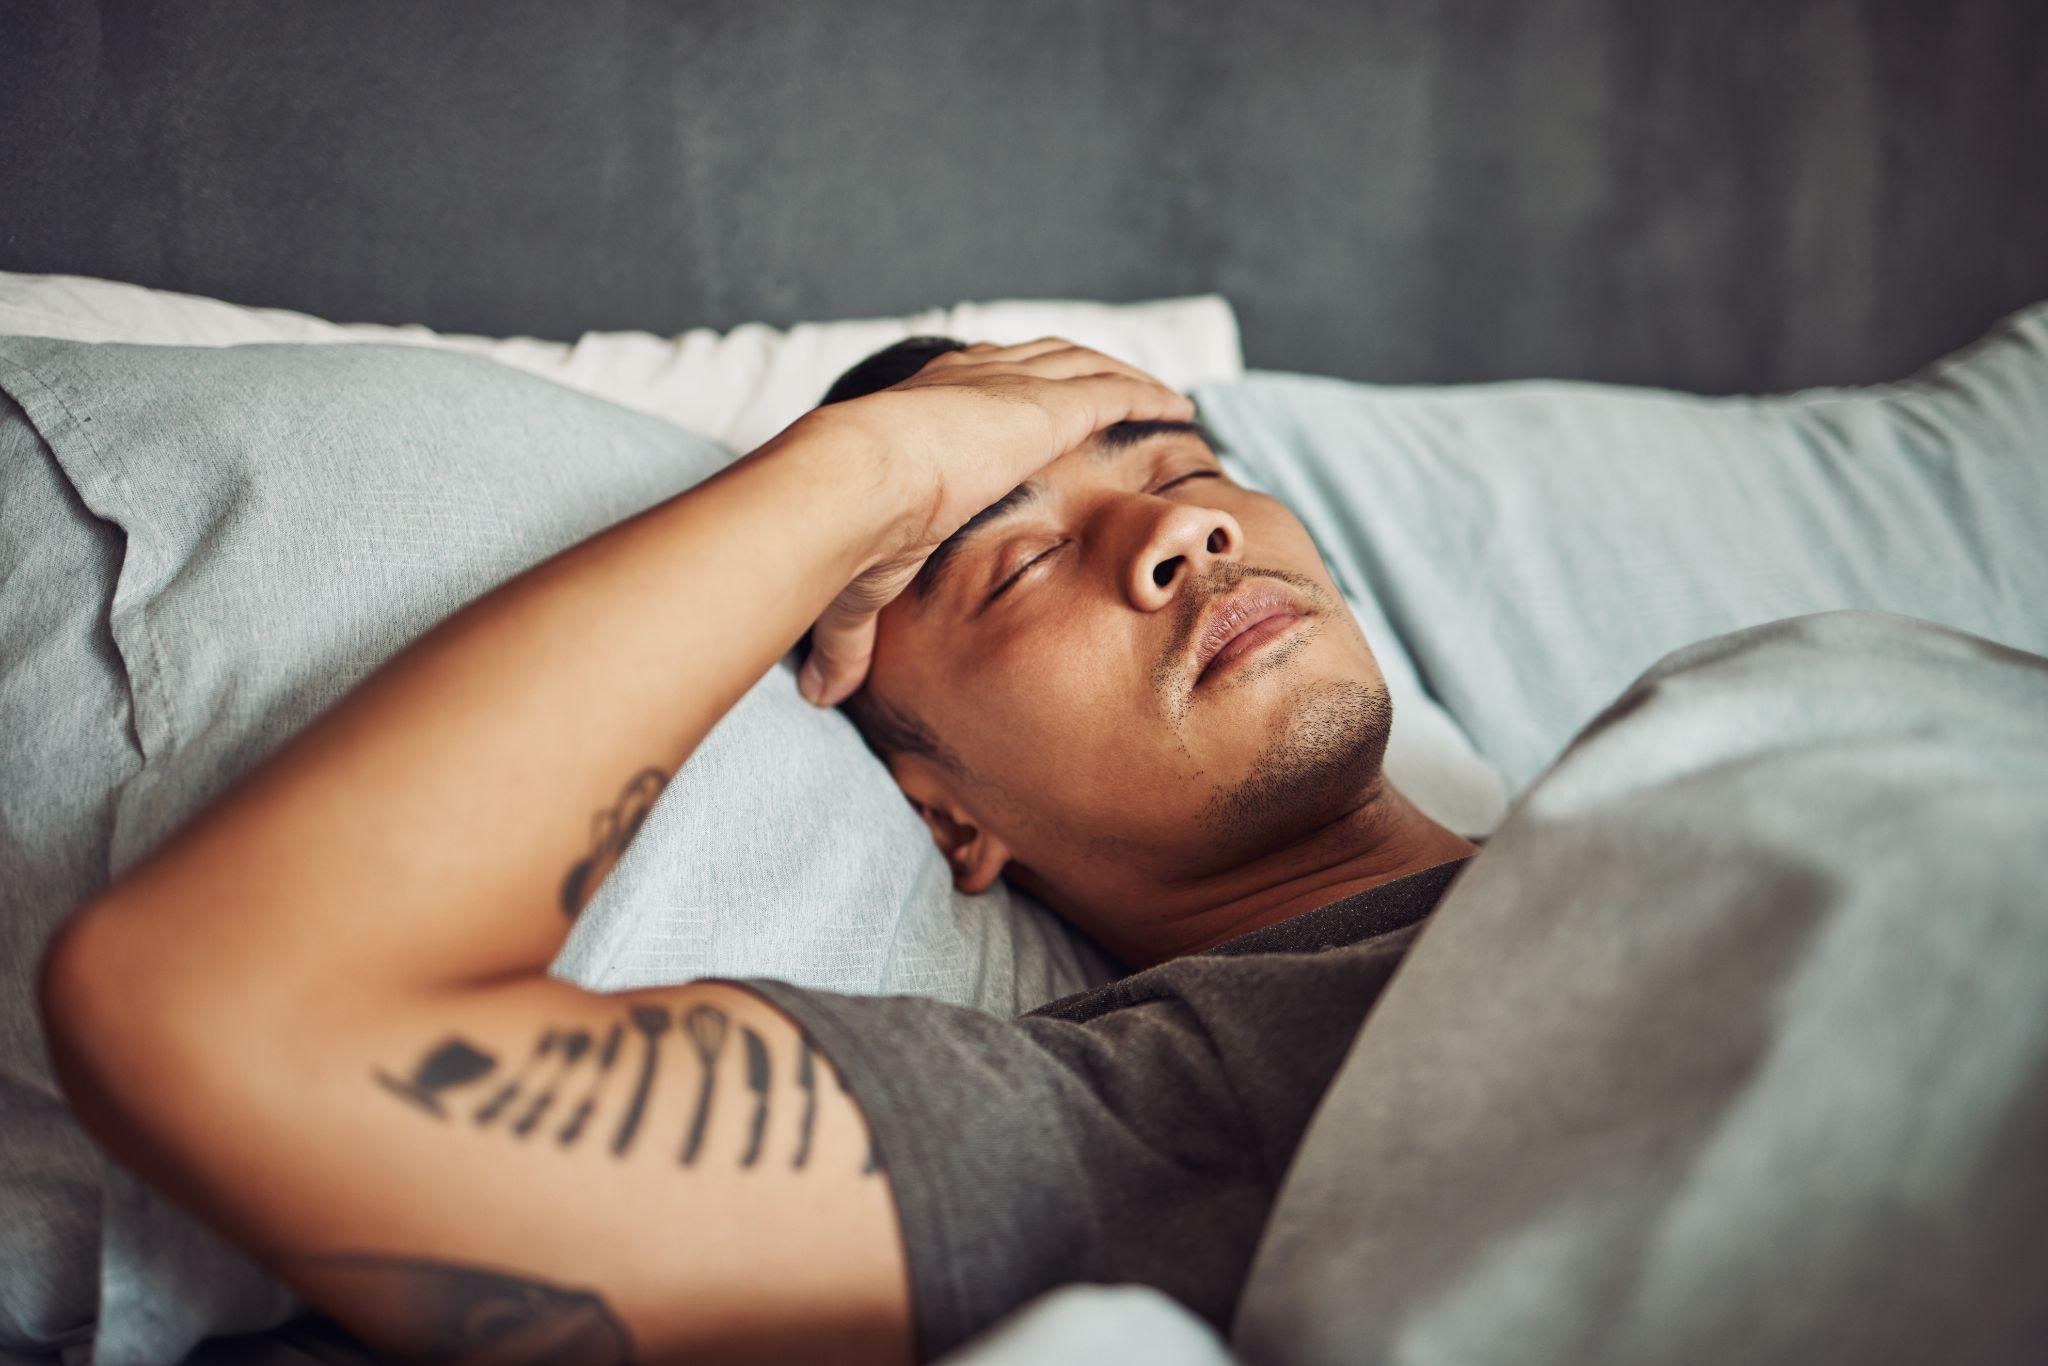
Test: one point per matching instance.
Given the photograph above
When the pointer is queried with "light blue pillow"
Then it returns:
(219, 543)
(1538, 545)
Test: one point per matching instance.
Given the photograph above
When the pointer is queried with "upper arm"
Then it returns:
(527, 1168)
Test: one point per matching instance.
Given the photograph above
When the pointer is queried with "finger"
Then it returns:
(990, 353)
(1025, 350)
(1148, 399)
(1085, 404)
(1080, 360)
(842, 647)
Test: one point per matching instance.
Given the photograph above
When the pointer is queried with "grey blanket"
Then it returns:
(1731, 1045)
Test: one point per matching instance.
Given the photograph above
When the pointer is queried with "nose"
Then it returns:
(1183, 542)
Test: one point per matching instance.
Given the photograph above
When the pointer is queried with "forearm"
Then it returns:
(426, 829)
(319, 1015)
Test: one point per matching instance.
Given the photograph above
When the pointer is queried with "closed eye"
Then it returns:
(1004, 586)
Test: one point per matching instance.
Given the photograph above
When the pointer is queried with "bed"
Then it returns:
(270, 209)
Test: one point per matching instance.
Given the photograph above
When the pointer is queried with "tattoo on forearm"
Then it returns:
(509, 1092)
(449, 1065)
(652, 1022)
(610, 832)
(706, 1027)
(567, 1063)
(757, 1082)
(444, 1312)
(606, 1056)
(806, 1079)
(575, 1044)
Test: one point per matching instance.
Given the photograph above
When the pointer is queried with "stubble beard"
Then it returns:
(1324, 761)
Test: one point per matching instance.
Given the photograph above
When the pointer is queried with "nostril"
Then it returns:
(1219, 541)
(1163, 572)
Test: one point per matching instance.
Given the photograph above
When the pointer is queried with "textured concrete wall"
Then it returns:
(1718, 196)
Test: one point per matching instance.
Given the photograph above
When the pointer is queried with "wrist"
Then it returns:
(869, 496)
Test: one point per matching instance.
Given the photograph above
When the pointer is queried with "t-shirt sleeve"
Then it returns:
(1028, 1153)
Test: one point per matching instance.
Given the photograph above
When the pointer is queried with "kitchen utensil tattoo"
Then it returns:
(610, 832)
(449, 1065)
(757, 1082)
(652, 1022)
(706, 1027)
(572, 1070)
(606, 1056)
(489, 1111)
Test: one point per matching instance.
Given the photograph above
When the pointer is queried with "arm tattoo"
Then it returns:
(652, 1022)
(451, 1064)
(610, 832)
(444, 1312)
(757, 1082)
(575, 1044)
(606, 1056)
(806, 1079)
(566, 1063)
(706, 1027)
(509, 1092)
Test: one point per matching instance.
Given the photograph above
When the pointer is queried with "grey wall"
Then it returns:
(1715, 195)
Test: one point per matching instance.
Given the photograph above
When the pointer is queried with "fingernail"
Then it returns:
(810, 680)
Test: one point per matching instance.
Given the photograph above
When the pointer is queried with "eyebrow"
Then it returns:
(1111, 442)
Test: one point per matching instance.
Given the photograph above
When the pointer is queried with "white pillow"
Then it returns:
(742, 387)
(738, 388)
(200, 549)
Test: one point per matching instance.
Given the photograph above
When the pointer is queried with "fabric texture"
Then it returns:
(737, 388)
(205, 548)
(1131, 1134)
(1732, 1044)
(1097, 1325)
(1537, 545)
(742, 386)
(64, 744)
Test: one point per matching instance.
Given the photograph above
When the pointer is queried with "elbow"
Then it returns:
(116, 1017)
(124, 1048)
(80, 989)
(68, 988)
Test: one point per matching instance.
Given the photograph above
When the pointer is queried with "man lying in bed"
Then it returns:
(322, 1017)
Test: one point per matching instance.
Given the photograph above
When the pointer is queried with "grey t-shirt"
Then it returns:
(1134, 1133)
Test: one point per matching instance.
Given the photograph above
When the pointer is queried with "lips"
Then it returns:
(1239, 622)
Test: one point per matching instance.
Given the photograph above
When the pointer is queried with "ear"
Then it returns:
(976, 855)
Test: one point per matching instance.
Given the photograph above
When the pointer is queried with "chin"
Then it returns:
(1322, 758)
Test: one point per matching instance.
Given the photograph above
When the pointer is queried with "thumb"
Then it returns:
(842, 644)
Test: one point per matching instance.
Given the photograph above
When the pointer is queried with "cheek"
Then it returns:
(1066, 694)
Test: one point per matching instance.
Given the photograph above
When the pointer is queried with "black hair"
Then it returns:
(886, 728)
(890, 365)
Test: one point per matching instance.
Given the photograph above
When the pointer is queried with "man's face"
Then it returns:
(1067, 654)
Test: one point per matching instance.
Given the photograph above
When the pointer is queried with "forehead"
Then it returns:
(1115, 446)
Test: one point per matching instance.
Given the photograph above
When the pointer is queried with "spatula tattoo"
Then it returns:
(495, 1106)
(606, 1056)
(706, 1027)
(575, 1044)
(807, 1081)
(757, 1082)
(652, 1022)
(567, 1078)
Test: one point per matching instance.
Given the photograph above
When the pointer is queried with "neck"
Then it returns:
(1383, 838)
